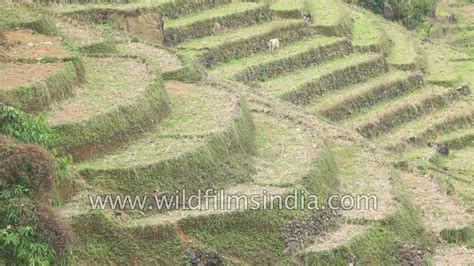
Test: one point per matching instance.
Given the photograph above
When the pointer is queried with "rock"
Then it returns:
(410, 255)
(200, 258)
(141, 23)
(298, 232)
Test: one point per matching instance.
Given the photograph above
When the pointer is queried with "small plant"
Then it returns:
(19, 239)
(25, 128)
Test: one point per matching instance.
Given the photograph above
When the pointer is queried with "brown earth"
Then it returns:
(145, 24)
(15, 75)
(27, 44)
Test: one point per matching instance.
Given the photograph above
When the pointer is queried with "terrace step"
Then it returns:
(218, 49)
(454, 256)
(438, 210)
(83, 36)
(199, 25)
(166, 60)
(356, 98)
(403, 54)
(282, 160)
(36, 71)
(337, 238)
(288, 58)
(121, 96)
(305, 85)
(367, 35)
(451, 118)
(458, 139)
(385, 117)
(29, 45)
(206, 140)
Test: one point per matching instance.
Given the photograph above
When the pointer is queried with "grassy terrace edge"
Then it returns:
(222, 158)
(101, 133)
(34, 98)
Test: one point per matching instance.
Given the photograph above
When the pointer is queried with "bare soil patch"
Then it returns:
(28, 44)
(16, 75)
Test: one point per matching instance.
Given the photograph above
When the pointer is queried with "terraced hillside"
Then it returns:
(345, 106)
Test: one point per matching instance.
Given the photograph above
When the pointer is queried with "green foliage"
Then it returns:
(410, 13)
(33, 129)
(25, 128)
(19, 239)
(461, 236)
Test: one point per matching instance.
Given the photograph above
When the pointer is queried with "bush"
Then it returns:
(20, 243)
(28, 165)
(24, 128)
(410, 13)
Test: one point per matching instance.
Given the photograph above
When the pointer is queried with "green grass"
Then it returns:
(328, 12)
(440, 69)
(233, 67)
(133, 4)
(284, 5)
(211, 14)
(417, 127)
(284, 84)
(344, 96)
(111, 82)
(459, 138)
(366, 30)
(285, 154)
(246, 33)
(14, 14)
(403, 53)
(387, 107)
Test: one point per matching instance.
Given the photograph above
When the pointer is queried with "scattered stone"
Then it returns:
(410, 255)
(298, 232)
(200, 258)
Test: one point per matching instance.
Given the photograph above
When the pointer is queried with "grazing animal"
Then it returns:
(308, 17)
(452, 19)
(426, 41)
(441, 148)
(218, 28)
(273, 45)
(464, 90)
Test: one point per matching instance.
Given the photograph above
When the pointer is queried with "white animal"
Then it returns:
(273, 45)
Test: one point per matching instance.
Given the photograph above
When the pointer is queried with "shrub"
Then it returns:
(24, 128)
(20, 243)
(28, 165)
(52, 229)
(410, 13)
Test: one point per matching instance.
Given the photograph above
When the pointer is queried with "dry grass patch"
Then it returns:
(111, 82)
